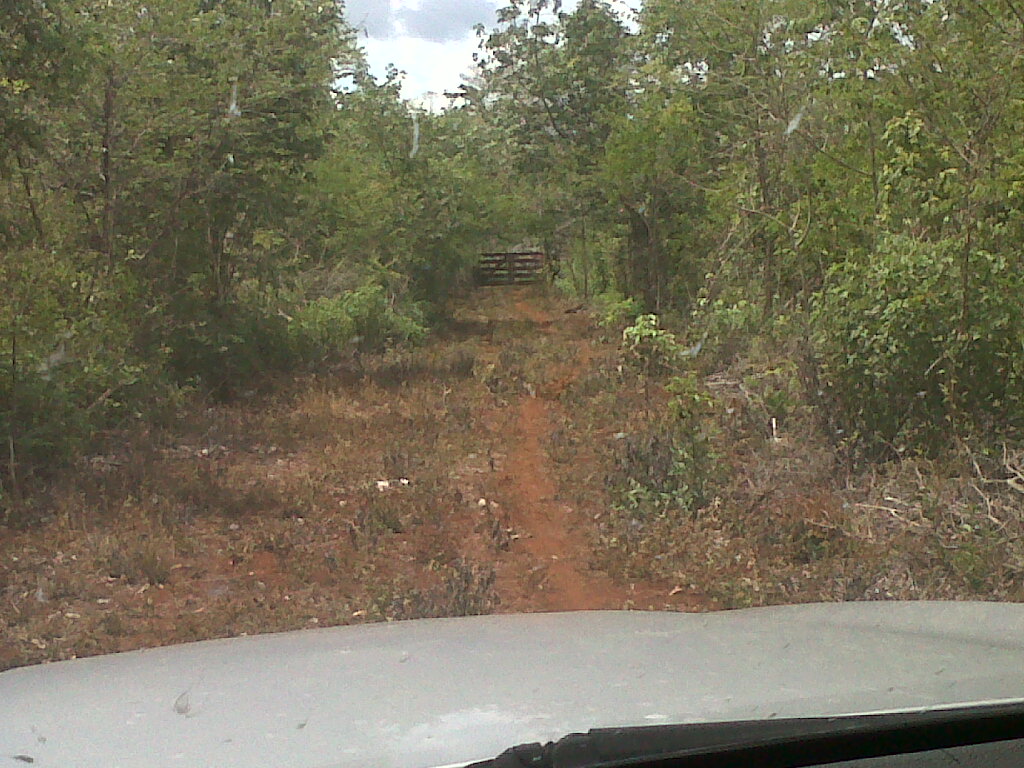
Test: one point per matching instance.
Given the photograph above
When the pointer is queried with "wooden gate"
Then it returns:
(510, 268)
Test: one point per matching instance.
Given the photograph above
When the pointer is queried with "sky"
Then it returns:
(431, 40)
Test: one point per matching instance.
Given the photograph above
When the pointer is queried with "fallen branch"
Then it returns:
(892, 511)
(1011, 463)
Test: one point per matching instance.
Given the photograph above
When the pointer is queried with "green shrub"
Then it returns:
(615, 310)
(729, 326)
(649, 348)
(225, 348)
(671, 465)
(321, 326)
(41, 418)
(67, 365)
(909, 357)
(365, 314)
(228, 349)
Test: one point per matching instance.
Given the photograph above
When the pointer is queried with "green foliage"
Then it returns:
(751, 153)
(40, 418)
(39, 56)
(229, 353)
(207, 205)
(588, 264)
(414, 222)
(199, 193)
(668, 468)
(66, 364)
(363, 318)
(658, 472)
(650, 348)
(910, 357)
(650, 152)
(729, 325)
(615, 310)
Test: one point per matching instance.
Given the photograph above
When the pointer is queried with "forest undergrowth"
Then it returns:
(520, 460)
(728, 475)
(246, 383)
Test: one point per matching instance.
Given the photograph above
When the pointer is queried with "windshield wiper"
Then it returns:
(772, 743)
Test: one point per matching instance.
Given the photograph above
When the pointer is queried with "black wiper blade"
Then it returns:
(772, 743)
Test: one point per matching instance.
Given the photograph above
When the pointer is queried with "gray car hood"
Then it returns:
(448, 691)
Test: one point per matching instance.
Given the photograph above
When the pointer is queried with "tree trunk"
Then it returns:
(37, 222)
(642, 257)
(767, 239)
(586, 259)
(107, 166)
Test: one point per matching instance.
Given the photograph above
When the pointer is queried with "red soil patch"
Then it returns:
(338, 502)
(548, 567)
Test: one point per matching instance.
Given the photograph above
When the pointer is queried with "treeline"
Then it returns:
(197, 192)
(846, 176)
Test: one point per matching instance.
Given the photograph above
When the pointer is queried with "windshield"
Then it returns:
(319, 314)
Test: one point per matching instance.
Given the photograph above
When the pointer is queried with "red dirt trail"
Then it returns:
(548, 567)
(271, 541)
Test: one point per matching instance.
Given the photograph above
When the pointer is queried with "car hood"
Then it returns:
(449, 691)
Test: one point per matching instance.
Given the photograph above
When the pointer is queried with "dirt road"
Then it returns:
(548, 565)
(435, 481)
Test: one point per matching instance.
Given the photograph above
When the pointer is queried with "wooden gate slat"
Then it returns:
(510, 268)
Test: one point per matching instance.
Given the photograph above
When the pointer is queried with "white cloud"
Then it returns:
(374, 18)
(431, 40)
(444, 20)
(430, 67)
(438, 20)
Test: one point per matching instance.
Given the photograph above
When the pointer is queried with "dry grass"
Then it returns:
(333, 502)
(789, 517)
(372, 493)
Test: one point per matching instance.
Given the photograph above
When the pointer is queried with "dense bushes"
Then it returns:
(648, 347)
(668, 468)
(364, 318)
(67, 363)
(206, 205)
(833, 173)
(917, 343)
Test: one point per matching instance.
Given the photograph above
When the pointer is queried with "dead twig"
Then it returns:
(988, 508)
(1015, 467)
(896, 513)
(1013, 463)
